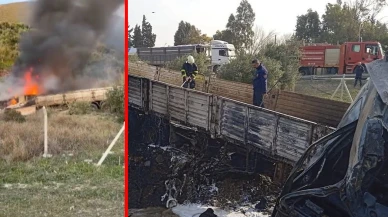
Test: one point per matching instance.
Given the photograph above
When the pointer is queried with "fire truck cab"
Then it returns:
(338, 59)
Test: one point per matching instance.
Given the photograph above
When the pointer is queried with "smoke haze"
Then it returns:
(58, 47)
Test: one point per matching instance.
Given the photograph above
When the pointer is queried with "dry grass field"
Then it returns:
(68, 183)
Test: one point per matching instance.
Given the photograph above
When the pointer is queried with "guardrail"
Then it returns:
(279, 136)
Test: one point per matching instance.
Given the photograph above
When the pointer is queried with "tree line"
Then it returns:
(141, 35)
(344, 22)
(341, 22)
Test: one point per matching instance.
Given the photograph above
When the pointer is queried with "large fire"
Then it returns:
(31, 87)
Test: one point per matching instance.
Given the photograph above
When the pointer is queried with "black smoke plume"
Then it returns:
(63, 35)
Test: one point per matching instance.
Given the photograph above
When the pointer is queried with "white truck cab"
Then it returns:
(218, 53)
(221, 53)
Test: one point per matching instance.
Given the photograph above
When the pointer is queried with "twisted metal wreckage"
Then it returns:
(346, 172)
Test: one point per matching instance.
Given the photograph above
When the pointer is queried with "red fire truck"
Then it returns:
(338, 59)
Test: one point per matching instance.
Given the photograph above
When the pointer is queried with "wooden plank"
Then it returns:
(302, 106)
(27, 110)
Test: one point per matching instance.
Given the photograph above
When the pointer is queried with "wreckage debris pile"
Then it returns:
(187, 172)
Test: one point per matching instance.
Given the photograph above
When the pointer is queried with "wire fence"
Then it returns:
(325, 88)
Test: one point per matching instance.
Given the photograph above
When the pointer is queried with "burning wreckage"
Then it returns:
(346, 173)
(54, 54)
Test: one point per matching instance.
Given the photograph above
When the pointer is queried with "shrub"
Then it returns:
(240, 69)
(79, 108)
(201, 61)
(115, 102)
(13, 115)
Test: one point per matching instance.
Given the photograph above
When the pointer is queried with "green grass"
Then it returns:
(69, 183)
(326, 88)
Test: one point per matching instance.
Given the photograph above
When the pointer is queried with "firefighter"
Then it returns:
(259, 83)
(358, 70)
(189, 71)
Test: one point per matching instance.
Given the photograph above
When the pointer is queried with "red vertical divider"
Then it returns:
(126, 154)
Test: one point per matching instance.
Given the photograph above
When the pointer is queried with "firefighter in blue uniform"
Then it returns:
(358, 70)
(259, 83)
(189, 71)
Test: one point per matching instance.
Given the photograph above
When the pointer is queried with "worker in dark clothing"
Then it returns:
(259, 83)
(358, 70)
(189, 71)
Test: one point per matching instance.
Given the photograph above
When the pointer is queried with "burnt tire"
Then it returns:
(95, 106)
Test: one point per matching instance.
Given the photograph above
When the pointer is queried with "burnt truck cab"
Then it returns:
(346, 172)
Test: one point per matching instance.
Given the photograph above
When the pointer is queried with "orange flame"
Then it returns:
(13, 102)
(31, 88)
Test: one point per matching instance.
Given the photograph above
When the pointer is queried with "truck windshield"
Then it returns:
(232, 53)
(381, 50)
(372, 49)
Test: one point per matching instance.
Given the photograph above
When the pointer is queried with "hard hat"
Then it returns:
(190, 59)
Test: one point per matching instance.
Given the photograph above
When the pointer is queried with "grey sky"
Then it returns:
(212, 15)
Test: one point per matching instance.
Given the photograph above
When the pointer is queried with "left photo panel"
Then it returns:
(62, 108)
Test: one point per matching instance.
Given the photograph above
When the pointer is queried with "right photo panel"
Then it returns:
(235, 110)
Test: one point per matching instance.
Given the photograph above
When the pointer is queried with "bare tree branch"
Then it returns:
(260, 40)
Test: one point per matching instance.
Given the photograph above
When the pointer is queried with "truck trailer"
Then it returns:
(218, 53)
(338, 59)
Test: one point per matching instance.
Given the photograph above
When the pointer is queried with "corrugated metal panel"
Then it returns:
(177, 104)
(232, 122)
(262, 129)
(158, 98)
(198, 105)
(332, 57)
(134, 91)
(293, 138)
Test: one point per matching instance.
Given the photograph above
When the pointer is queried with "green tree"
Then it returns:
(137, 37)
(182, 34)
(148, 37)
(343, 22)
(9, 43)
(189, 34)
(239, 29)
(201, 61)
(130, 37)
(224, 35)
(308, 26)
(241, 25)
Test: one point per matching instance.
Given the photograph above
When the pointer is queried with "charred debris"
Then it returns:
(171, 164)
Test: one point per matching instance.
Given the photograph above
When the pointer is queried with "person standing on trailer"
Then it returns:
(358, 70)
(189, 71)
(259, 83)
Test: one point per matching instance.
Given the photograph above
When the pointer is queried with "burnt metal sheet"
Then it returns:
(233, 118)
(262, 128)
(293, 138)
(158, 98)
(135, 91)
(177, 104)
(321, 131)
(378, 71)
(198, 108)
